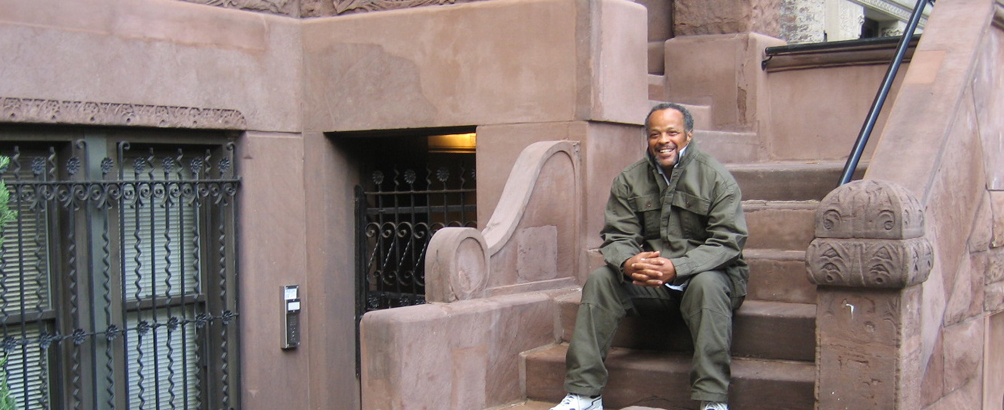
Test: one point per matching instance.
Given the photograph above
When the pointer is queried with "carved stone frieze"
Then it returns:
(871, 263)
(282, 7)
(360, 6)
(32, 110)
(870, 209)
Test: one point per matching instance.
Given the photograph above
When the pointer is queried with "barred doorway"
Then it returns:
(118, 269)
(410, 187)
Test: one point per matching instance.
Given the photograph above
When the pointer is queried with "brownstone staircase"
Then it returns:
(774, 342)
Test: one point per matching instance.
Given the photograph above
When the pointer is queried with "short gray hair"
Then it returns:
(688, 119)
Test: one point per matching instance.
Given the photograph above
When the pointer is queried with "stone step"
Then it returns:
(731, 147)
(780, 224)
(766, 330)
(701, 113)
(778, 275)
(789, 181)
(661, 380)
(546, 405)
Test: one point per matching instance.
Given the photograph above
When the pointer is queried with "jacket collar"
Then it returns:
(688, 155)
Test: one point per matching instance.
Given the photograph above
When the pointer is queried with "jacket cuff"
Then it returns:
(684, 270)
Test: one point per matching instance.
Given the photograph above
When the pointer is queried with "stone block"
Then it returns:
(994, 299)
(997, 210)
(967, 397)
(982, 234)
(433, 66)
(870, 349)
(966, 299)
(933, 384)
(993, 379)
(870, 209)
(869, 263)
(457, 356)
(694, 17)
(963, 349)
(710, 77)
(995, 265)
(987, 84)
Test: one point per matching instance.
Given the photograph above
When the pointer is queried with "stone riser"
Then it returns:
(767, 330)
(661, 380)
(780, 224)
(789, 181)
(778, 276)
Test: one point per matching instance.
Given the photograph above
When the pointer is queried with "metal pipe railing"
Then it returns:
(883, 92)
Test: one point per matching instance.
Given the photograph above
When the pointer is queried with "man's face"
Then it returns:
(667, 135)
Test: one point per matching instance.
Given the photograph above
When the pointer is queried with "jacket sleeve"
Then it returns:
(727, 234)
(622, 231)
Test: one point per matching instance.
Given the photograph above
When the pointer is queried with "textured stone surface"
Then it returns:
(167, 63)
(966, 300)
(967, 397)
(997, 209)
(693, 17)
(993, 381)
(806, 126)
(544, 190)
(963, 349)
(869, 355)
(455, 356)
(983, 224)
(780, 225)
(995, 268)
(933, 386)
(802, 21)
(28, 110)
(268, 162)
(988, 91)
(434, 66)
(778, 276)
(994, 299)
(710, 75)
(282, 7)
(872, 263)
(456, 265)
(956, 193)
(660, 380)
(870, 209)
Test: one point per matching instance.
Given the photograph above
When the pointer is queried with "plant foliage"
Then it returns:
(6, 214)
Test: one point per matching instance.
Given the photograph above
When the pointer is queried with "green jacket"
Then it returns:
(696, 220)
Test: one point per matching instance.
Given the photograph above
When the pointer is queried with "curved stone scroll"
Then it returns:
(529, 243)
(456, 265)
(869, 234)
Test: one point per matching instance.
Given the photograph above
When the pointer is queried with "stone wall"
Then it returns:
(949, 330)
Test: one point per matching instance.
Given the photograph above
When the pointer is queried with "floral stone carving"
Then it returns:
(869, 234)
(102, 113)
(870, 209)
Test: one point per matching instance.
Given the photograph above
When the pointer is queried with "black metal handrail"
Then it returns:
(883, 92)
(829, 47)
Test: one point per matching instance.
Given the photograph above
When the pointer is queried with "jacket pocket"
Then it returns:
(693, 212)
(649, 211)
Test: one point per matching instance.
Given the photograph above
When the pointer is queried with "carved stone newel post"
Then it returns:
(867, 258)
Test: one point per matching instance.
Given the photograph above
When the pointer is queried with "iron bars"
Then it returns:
(397, 213)
(118, 281)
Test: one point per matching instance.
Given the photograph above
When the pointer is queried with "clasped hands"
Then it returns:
(649, 269)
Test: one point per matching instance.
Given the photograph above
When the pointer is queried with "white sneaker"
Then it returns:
(714, 405)
(578, 402)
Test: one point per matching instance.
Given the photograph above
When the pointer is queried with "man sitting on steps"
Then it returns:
(672, 241)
